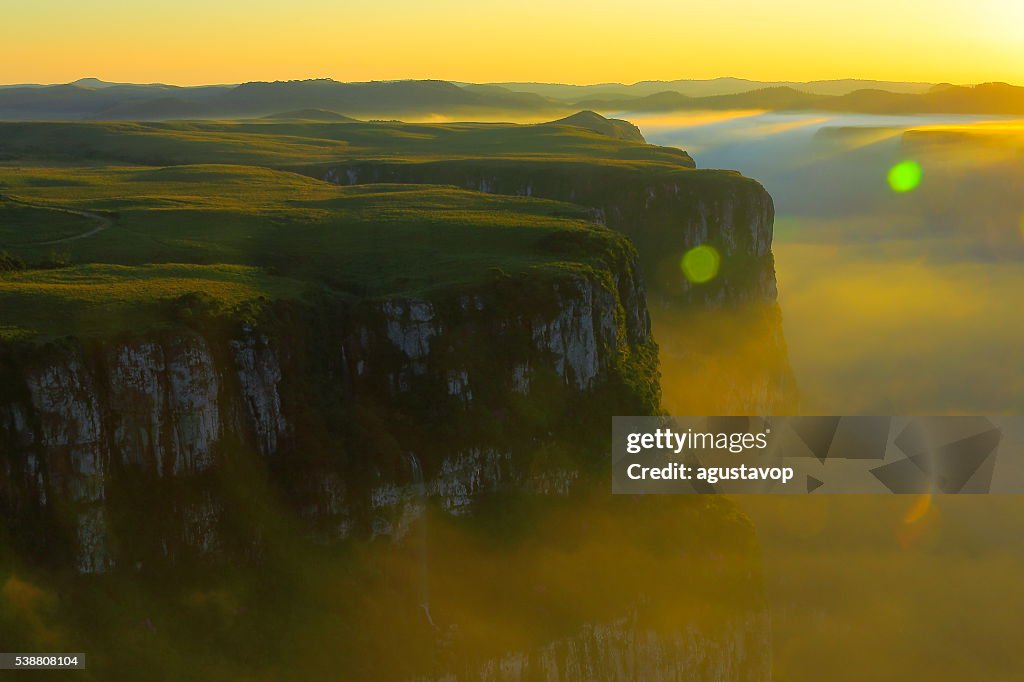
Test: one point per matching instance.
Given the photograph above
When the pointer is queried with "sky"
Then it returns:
(572, 41)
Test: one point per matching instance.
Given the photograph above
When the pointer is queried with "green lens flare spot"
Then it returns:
(700, 264)
(905, 176)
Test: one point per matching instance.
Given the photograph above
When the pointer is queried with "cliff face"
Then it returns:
(81, 422)
(665, 212)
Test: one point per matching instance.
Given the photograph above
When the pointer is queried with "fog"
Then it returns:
(524, 575)
(891, 303)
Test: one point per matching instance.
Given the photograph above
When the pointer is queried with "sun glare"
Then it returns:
(905, 176)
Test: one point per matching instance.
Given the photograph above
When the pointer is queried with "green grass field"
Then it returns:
(22, 225)
(93, 300)
(283, 143)
(220, 231)
(113, 219)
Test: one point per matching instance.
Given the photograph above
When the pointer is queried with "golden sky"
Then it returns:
(573, 41)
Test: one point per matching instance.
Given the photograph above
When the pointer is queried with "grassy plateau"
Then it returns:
(102, 223)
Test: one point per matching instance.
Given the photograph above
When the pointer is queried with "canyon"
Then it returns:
(384, 420)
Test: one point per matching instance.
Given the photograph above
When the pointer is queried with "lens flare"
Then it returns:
(920, 527)
(919, 510)
(700, 264)
(905, 176)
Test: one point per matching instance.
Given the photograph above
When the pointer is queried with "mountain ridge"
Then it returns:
(93, 99)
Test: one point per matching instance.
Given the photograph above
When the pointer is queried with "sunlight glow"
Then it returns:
(785, 126)
(691, 119)
(232, 41)
(990, 126)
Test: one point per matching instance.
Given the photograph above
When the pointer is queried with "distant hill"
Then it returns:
(309, 115)
(93, 83)
(987, 98)
(613, 127)
(764, 98)
(150, 109)
(93, 99)
(78, 101)
(708, 88)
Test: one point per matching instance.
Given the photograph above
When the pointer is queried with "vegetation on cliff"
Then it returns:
(236, 232)
(199, 195)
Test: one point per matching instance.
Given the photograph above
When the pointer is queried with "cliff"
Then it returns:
(83, 421)
(332, 421)
(724, 335)
(372, 421)
(665, 211)
(129, 456)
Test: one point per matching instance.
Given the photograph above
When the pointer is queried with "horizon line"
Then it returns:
(500, 82)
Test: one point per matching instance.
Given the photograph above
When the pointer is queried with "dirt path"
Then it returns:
(102, 222)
